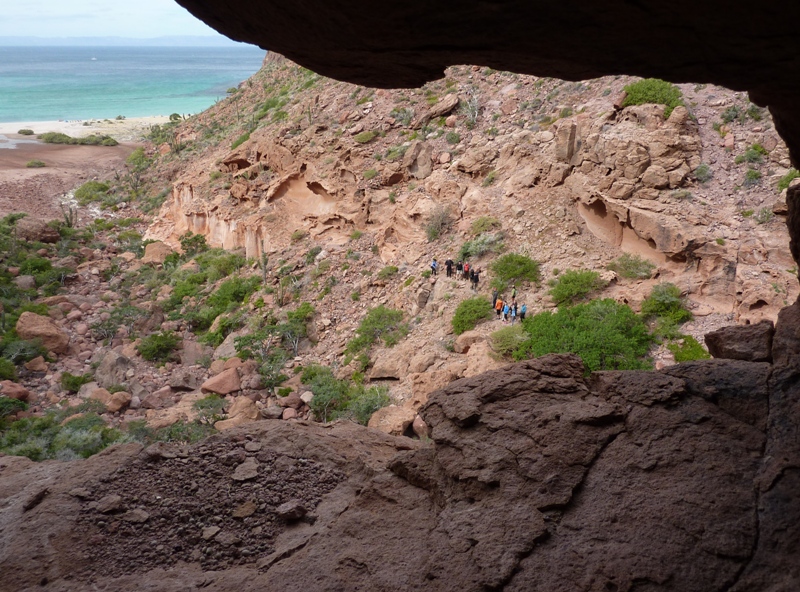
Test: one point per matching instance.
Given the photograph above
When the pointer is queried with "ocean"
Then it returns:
(74, 83)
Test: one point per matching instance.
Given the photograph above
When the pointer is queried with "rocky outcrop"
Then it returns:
(34, 327)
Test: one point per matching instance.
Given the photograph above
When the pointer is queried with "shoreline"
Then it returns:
(131, 129)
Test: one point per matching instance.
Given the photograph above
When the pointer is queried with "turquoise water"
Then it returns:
(65, 83)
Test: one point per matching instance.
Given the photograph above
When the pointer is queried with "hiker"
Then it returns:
(434, 266)
(466, 271)
(506, 309)
(448, 265)
(494, 297)
(513, 292)
(459, 268)
(498, 307)
(523, 309)
(475, 278)
(513, 312)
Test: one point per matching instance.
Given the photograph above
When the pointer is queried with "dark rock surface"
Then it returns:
(752, 343)
(537, 478)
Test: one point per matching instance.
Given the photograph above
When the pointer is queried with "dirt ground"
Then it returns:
(39, 191)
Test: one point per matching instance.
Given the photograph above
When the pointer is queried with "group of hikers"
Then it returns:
(462, 270)
(508, 311)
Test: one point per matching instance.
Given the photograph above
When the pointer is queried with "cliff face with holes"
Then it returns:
(535, 477)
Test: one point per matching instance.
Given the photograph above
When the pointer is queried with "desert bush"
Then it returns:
(506, 340)
(312, 253)
(484, 224)
(665, 302)
(336, 399)
(380, 324)
(91, 191)
(387, 272)
(35, 164)
(193, 244)
(469, 313)
(607, 335)
(689, 350)
(632, 267)
(9, 406)
(764, 215)
(92, 140)
(574, 285)
(8, 371)
(25, 132)
(240, 140)
(514, 267)
(365, 137)
(452, 138)
(210, 409)
(785, 181)
(731, 114)
(470, 108)
(73, 383)
(158, 347)
(298, 235)
(653, 90)
(486, 242)
(753, 154)
(752, 178)
(370, 174)
(439, 221)
(703, 173)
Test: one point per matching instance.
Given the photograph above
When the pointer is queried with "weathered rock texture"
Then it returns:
(536, 478)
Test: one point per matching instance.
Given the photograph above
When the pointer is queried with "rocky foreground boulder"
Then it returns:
(535, 477)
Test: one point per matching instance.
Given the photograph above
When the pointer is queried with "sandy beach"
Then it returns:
(132, 129)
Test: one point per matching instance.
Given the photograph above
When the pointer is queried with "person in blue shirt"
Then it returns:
(506, 308)
(523, 309)
(434, 266)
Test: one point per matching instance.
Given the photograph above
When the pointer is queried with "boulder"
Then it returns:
(36, 229)
(37, 364)
(32, 327)
(417, 159)
(424, 383)
(243, 410)
(100, 394)
(224, 383)
(15, 391)
(113, 369)
(466, 340)
(156, 253)
(184, 379)
(273, 412)
(392, 420)
(752, 343)
(118, 401)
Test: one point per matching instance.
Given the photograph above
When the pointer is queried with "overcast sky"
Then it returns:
(98, 18)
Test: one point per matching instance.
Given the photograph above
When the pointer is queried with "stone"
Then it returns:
(246, 471)
(466, 340)
(242, 410)
(118, 401)
(392, 420)
(100, 394)
(109, 503)
(752, 343)
(113, 369)
(183, 379)
(15, 391)
(245, 510)
(289, 413)
(291, 510)
(37, 364)
(273, 412)
(156, 253)
(656, 177)
(31, 326)
(224, 383)
(32, 228)
(25, 282)
(209, 532)
(292, 400)
(136, 516)
(306, 397)
(420, 428)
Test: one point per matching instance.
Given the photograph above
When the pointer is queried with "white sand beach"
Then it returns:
(131, 129)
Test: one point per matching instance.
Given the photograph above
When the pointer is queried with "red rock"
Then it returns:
(289, 413)
(224, 383)
(118, 401)
(32, 326)
(37, 364)
(15, 391)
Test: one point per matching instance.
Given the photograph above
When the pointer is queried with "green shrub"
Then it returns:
(9, 406)
(752, 178)
(370, 174)
(356, 234)
(73, 383)
(35, 164)
(486, 242)
(34, 265)
(91, 191)
(753, 154)
(298, 235)
(439, 221)
(514, 267)
(703, 173)
(575, 285)
(689, 350)
(505, 341)
(731, 114)
(653, 90)
(747, 213)
(240, 140)
(764, 215)
(381, 323)
(387, 272)
(665, 302)
(484, 224)
(192, 244)
(210, 409)
(632, 267)
(785, 181)
(92, 140)
(452, 138)
(490, 178)
(158, 347)
(365, 137)
(469, 313)
(605, 334)
(395, 153)
(8, 371)
(25, 132)
(335, 399)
